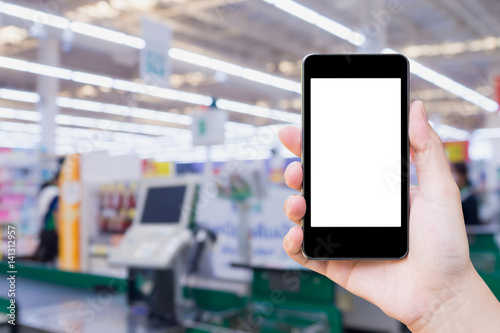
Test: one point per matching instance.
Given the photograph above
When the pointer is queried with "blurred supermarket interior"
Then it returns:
(109, 107)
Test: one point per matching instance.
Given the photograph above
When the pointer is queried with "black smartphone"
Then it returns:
(355, 156)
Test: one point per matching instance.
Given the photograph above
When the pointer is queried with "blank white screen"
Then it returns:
(355, 152)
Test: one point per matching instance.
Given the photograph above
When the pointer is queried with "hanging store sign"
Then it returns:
(155, 66)
(208, 127)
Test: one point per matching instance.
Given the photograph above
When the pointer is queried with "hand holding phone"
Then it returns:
(435, 288)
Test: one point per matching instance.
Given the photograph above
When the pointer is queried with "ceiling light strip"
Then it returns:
(139, 43)
(259, 111)
(416, 68)
(448, 84)
(112, 125)
(19, 95)
(121, 110)
(288, 6)
(34, 15)
(310, 16)
(235, 70)
(103, 81)
(20, 114)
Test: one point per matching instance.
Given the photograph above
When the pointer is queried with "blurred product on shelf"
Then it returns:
(19, 184)
(117, 203)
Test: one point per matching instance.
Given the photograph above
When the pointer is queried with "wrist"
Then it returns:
(468, 305)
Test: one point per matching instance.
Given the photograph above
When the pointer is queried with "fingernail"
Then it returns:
(288, 234)
(424, 113)
(286, 204)
(286, 170)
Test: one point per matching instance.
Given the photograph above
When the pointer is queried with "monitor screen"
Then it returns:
(163, 204)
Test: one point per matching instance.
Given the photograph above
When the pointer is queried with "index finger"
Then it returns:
(291, 137)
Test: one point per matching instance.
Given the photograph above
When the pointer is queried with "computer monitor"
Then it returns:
(165, 202)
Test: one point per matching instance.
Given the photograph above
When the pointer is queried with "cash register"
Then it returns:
(153, 246)
(160, 229)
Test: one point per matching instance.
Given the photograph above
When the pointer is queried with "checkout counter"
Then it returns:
(485, 253)
(161, 251)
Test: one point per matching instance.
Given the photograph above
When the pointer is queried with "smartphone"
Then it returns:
(355, 156)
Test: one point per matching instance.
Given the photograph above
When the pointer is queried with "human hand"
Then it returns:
(435, 288)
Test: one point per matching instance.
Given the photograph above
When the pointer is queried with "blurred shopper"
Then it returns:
(48, 202)
(469, 201)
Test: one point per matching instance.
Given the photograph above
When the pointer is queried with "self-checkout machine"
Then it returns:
(214, 288)
(285, 297)
(154, 248)
(281, 298)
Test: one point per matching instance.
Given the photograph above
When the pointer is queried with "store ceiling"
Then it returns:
(255, 34)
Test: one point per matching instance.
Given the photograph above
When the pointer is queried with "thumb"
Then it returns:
(433, 169)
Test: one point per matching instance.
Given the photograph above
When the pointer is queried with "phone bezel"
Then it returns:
(343, 243)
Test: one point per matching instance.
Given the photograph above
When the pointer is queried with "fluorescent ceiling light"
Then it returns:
(146, 90)
(416, 68)
(139, 43)
(312, 17)
(429, 50)
(190, 154)
(258, 111)
(135, 42)
(128, 86)
(449, 85)
(121, 110)
(17, 144)
(104, 81)
(19, 136)
(77, 27)
(79, 104)
(102, 135)
(69, 138)
(20, 96)
(111, 125)
(14, 64)
(177, 95)
(93, 79)
(162, 144)
(161, 116)
(98, 32)
(264, 78)
(233, 129)
(288, 6)
(445, 131)
(235, 70)
(20, 127)
(31, 67)
(20, 114)
(34, 15)
(271, 80)
(107, 35)
(61, 73)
